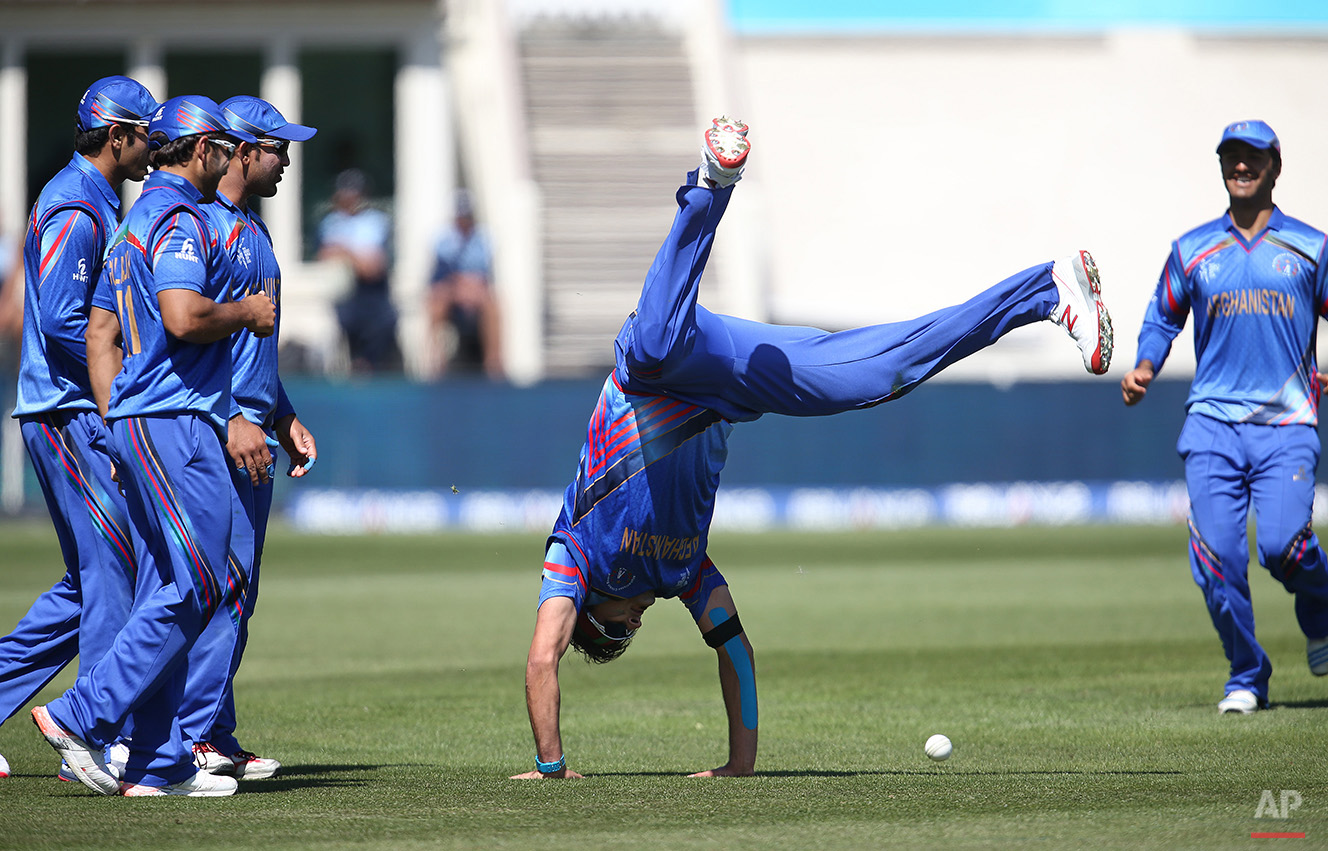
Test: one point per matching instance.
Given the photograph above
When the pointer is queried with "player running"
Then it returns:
(1254, 279)
(635, 522)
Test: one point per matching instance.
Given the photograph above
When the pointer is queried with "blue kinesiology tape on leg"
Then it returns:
(742, 665)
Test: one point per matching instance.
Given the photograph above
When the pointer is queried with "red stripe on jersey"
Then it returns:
(235, 234)
(1226, 243)
(561, 569)
(56, 246)
(696, 586)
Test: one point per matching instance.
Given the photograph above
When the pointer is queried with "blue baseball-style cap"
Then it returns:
(190, 115)
(263, 119)
(1256, 134)
(115, 100)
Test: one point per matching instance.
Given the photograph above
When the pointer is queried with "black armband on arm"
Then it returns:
(718, 636)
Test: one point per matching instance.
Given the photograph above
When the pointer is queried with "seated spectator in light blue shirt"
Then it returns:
(359, 235)
(461, 299)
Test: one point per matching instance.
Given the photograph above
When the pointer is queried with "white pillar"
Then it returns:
(281, 87)
(13, 154)
(425, 182)
(482, 58)
(13, 218)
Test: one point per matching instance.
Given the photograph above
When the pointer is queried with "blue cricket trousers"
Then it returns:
(81, 614)
(207, 713)
(742, 369)
(174, 469)
(1230, 467)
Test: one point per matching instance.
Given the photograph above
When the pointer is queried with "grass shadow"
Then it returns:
(907, 772)
(315, 776)
(333, 768)
(1318, 703)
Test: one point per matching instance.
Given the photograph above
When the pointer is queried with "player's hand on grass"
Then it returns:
(246, 444)
(262, 314)
(565, 774)
(1135, 383)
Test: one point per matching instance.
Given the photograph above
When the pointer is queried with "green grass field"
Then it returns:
(1075, 670)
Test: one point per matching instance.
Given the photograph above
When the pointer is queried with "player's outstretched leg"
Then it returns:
(749, 368)
(663, 327)
(1081, 311)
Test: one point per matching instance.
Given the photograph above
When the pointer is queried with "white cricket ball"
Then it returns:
(4, 767)
(938, 747)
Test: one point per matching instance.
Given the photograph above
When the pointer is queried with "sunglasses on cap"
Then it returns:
(225, 144)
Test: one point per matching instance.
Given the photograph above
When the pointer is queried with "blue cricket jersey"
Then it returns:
(167, 242)
(637, 517)
(1256, 307)
(62, 258)
(255, 388)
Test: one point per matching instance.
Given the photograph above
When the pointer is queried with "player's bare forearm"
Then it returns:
(194, 318)
(544, 703)
(737, 683)
(742, 737)
(104, 354)
(553, 634)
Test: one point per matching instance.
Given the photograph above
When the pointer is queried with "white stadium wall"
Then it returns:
(899, 174)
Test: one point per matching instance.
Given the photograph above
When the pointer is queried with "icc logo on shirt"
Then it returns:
(1286, 264)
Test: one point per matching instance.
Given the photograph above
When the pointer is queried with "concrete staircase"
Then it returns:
(612, 126)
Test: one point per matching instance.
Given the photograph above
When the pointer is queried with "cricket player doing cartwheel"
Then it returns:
(635, 522)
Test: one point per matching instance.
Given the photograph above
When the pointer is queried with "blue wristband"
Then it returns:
(550, 767)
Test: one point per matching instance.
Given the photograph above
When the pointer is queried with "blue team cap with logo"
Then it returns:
(115, 100)
(190, 115)
(1256, 134)
(262, 119)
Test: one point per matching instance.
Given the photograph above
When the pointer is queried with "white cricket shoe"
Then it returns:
(1316, 652)
(208, 758)
(86, 764)
(1238, 702)
(1081, 311)
(724, 152)
(4, 766)
(251, 766)
(201, 785)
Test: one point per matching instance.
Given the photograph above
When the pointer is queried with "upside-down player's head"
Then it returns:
(605, 625)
